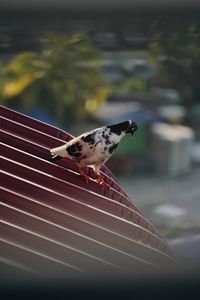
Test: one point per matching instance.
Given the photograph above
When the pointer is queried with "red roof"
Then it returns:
(53, 221)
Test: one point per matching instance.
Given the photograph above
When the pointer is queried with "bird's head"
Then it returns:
(131, 128)
(126, 127)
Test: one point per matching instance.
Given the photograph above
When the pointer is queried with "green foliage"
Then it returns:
(135, 85)
(61, 79)
(180, 53)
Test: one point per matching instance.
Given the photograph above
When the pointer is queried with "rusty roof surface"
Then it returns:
(54, 222)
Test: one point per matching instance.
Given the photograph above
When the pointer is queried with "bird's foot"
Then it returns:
(85, 176)
(100, 180)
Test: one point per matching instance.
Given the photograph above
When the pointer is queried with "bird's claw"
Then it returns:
(85, 176)
(100, 180)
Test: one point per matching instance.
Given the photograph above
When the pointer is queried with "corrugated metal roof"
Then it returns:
(54, 222)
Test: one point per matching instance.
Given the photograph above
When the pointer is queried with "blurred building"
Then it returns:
(172, 149)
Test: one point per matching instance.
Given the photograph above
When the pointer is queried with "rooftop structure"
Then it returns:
(53, 222)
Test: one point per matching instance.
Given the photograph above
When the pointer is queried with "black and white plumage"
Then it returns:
(94, 148)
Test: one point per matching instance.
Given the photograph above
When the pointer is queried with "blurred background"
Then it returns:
(79, 68)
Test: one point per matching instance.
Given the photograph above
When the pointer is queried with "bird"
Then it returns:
(94, 148)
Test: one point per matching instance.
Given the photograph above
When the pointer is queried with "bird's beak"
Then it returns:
(134, 130)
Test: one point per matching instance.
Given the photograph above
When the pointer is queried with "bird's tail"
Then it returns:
(55, 158)
(59, 151)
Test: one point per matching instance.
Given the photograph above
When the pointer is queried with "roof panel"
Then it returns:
(53, 220)
(81, 195)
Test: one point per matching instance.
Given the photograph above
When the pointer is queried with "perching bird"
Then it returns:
(94, 148)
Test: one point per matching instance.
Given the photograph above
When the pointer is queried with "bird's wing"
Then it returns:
(84, 145)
